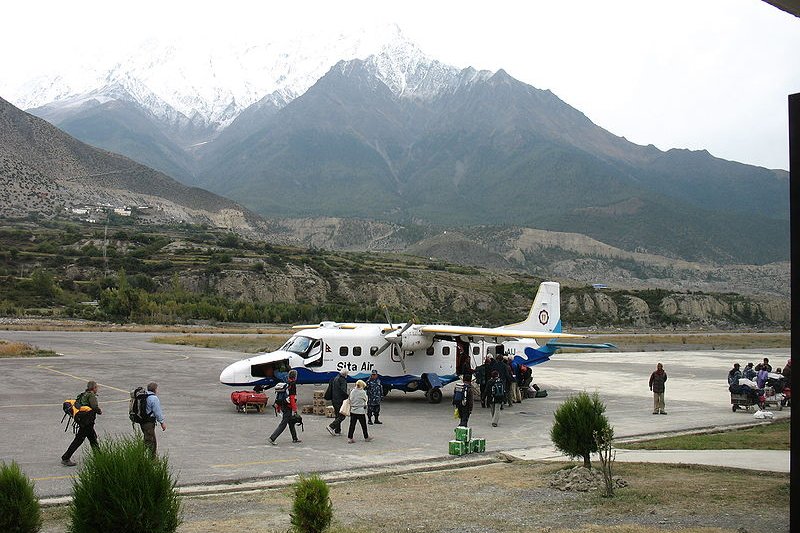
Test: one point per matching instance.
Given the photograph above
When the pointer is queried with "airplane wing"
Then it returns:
(491, 333)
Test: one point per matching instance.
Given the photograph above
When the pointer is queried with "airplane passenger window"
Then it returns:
(476, 350)
(445, 350)
(356, 350)
(343, 351)
(429, 351)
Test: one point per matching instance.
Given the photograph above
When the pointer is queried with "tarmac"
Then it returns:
(212, 448)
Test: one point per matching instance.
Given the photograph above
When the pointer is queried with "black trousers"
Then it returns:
(287, 414)
(84, 432)
(336, 425)
(360, 418)
(462, 411)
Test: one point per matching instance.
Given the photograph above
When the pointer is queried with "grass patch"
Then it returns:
(239, 343)
(772, 436)
(21, 349)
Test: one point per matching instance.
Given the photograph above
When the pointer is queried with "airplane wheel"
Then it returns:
(435, 395)
(386, 389)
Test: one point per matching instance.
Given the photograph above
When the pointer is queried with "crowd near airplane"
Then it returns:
(408, 357)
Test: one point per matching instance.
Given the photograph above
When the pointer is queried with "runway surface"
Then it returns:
(209, 442)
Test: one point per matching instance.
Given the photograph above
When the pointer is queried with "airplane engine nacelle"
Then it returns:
(416, 341)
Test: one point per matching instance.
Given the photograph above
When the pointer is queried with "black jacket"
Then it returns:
(339, 389)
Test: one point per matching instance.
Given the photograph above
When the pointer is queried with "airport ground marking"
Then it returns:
(79, 378)
(51, 478)
(51, 405)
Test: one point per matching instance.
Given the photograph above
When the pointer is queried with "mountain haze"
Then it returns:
(395, 135)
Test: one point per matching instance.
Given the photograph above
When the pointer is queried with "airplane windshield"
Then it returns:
(297, 344)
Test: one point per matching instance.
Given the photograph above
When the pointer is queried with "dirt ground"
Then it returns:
(514, 497)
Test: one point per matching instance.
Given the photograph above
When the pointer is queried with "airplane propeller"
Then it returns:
(396, 338)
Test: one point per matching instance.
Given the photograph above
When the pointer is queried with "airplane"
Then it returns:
(408, 357)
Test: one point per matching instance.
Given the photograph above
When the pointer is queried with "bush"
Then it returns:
(312, 510)
(576, 422)
(121, 487)
(19, 508)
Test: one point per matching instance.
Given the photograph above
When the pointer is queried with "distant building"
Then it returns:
(599, 286)
(122, 211)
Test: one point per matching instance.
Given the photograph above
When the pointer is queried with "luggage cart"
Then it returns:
(249, 401)
(773, 399)
(743, 401)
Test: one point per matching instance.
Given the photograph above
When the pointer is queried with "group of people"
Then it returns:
(501, 382)
(753, 379)
(86, 422)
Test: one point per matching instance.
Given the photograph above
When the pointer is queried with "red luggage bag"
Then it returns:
(245, 400)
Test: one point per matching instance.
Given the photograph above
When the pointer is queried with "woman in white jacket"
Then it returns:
(358, 411)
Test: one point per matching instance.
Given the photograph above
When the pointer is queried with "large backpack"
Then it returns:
(137, 408)
(498, 390)
(77, 412)
(281, 396)
(459, 395)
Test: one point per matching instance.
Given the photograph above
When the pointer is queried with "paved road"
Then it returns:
(208, 442)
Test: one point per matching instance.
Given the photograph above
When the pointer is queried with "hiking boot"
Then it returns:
(272, 442)
(663, 412)
(297, 441)
(655, 412)
(350, 441)
(369, 421)
(494, 424)
(330, 430)
(378, 421)
(368, 439)
(67, 462)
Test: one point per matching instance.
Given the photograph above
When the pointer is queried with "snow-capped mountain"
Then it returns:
(209, 86)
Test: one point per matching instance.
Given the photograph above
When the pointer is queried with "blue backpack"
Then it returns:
(459, 395)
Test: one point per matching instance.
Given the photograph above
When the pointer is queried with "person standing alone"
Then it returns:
(287, 402)
(153, 415)
(657, 380)
(85, 421)
(374, 396)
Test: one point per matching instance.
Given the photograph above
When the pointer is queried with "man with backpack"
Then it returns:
(151, 414)
(496, 396)
(339, 394)
(286, 403)
(85, 421)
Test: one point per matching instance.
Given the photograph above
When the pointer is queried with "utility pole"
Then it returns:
(105, 244)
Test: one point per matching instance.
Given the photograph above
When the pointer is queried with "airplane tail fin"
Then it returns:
(545, 314)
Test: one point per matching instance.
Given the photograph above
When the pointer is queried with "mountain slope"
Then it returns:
(45, 170)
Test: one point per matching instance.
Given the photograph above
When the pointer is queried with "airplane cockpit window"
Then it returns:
(298, 344)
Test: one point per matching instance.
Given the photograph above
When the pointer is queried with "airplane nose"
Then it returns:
(228, 376)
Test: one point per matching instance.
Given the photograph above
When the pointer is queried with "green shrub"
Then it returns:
(576, 421)
(122, 488)
(312, 510)
(19, 508)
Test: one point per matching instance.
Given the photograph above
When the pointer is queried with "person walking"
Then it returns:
(288, 407)
(516, 395)
(495, 400)
(85, 422)
(358, 410)
(465, 408)
(338, 396)
(374, 396)
(482, 378)
(153, 414)
(657, 380)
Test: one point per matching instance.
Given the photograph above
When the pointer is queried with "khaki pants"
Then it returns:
(658, 402)
(149, 431)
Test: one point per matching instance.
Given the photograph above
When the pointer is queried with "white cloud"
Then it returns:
(713, 74)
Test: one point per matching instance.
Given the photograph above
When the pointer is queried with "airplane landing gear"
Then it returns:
(434, 395)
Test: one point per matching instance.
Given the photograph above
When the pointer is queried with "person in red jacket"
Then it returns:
(288, 409)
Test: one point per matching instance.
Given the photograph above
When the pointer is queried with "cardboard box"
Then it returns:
(319, 410)
(307, 409)
(319, 402)
(319, 394)
(464, 434)
(456, 447)
(477, 445)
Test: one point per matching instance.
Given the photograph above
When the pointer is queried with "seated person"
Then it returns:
(749, 372)
(734, 375)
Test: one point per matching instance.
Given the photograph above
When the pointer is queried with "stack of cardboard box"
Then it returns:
(464, 443)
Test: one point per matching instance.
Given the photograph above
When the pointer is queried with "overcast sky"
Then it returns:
(699, 74)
